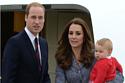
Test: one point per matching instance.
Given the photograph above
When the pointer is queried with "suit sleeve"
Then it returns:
(46, 78)
(10, 62)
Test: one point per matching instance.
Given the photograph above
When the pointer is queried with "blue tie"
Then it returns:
(37, 56)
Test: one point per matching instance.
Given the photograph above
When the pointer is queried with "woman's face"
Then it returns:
(75, 36)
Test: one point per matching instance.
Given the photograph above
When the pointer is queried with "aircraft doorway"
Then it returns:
(56, 18)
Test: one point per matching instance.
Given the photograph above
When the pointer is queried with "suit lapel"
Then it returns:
(29, 46)
(41, 49)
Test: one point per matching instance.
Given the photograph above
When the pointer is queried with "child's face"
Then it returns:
(100, 52)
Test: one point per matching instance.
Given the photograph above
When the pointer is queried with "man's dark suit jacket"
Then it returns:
(19, 64)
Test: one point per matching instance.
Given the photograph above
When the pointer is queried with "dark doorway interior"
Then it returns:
(7, 27)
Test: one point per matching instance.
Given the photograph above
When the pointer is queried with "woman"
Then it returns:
(75, 53)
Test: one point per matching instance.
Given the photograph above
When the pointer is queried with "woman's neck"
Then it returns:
(77, 53)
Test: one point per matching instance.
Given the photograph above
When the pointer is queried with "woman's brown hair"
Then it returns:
(64, 52)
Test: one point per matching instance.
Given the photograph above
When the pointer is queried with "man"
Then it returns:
(25, 61)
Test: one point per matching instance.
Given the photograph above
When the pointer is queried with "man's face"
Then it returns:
(35, 19)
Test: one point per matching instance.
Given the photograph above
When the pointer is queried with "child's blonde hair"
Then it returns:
(105, 43)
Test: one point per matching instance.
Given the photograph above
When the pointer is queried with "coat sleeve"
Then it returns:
(99, 72)
(46, 78)
(60, 76)
(118, 65)
(10, 61)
